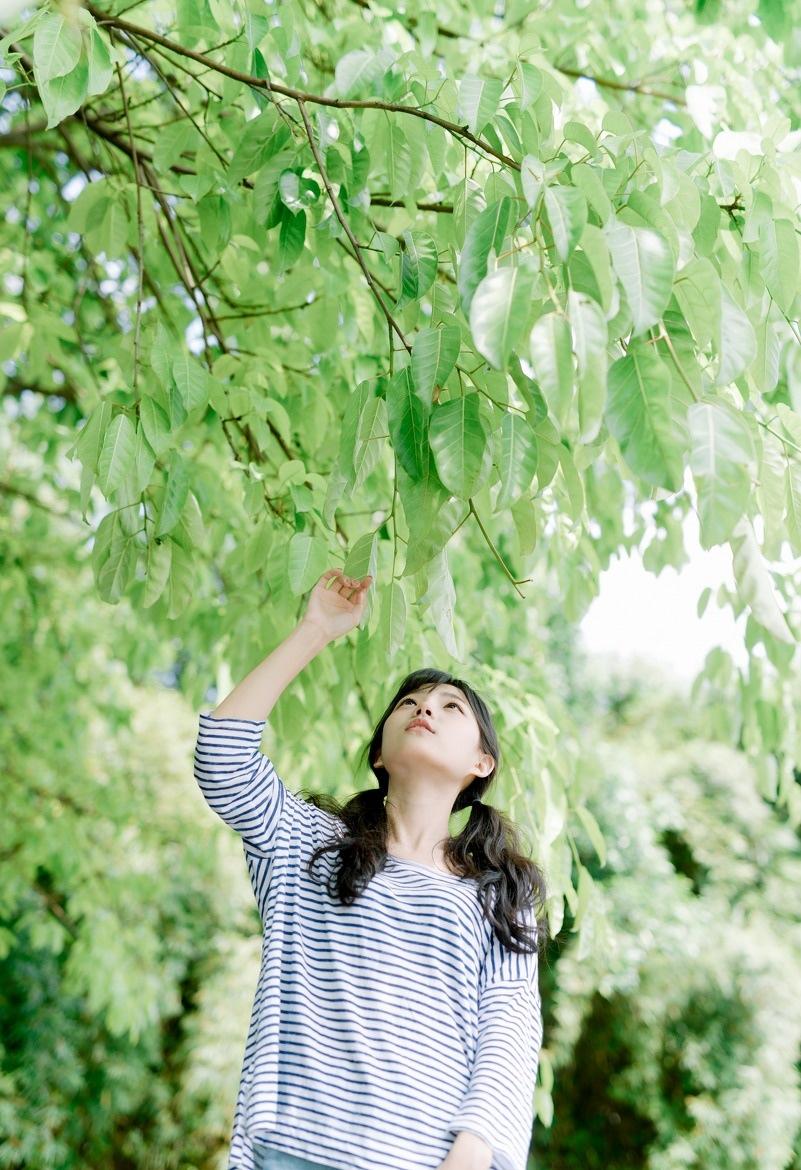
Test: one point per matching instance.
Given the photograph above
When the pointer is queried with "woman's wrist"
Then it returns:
(315, 632)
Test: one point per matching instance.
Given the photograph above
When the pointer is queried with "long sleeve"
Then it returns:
(499, 1102)
(237, 780)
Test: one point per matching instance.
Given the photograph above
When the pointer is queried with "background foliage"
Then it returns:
(471, 307)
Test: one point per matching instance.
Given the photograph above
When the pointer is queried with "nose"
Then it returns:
(420, 710)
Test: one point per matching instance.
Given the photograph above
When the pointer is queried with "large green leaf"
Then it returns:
(407, 418)
(566, 209)
(358, 70)
(434, 355)
(639, 415)
(500, 308)
(697, 289)
(589, 330)
(461, 445)
(64, 94)
(552, 361)
(753, 581)
(486, 232)
(174, 495)
(99, 63)
(517, 456)
(418, 266)
(56, 46)
(723, 463)
(116, 454)
(478, 100)
(644, 266)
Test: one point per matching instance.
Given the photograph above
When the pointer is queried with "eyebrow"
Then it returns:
(450, 694)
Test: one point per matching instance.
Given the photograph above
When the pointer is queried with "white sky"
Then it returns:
(653, 618)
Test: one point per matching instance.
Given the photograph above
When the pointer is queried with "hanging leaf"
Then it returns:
(460, 444)
(566, 209)
(552, 360)
(486, 233)
(500, 308)
(56, 47)
(434, 355)
(418, 266)
(644, 266)
(638, 413)
(723, 463)
(478, 101)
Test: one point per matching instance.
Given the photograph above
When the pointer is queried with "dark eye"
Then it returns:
(409, 699)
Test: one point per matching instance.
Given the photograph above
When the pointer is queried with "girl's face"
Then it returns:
(451, 750)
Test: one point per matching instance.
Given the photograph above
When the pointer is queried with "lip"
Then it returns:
(420, 723)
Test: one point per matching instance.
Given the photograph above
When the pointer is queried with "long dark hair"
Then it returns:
(510, 885)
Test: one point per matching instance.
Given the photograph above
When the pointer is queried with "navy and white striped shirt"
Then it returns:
(379, 1030)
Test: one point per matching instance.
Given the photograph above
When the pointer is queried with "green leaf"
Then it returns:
(291, 238)
(566, 209)
(754, 585)
(392, 620)
(644, 266)
(407, 418)
(99, 63)
(371, 434)
(478, 100)
(170, 143)
(461, 446)
(778, 247)
(486, 233)
(297, 192)
(552, 361)
(117, 454)
(174, 496)
(722, 459)
(589, 329)
(418, 266)
(516, 456)
(180, 585)
(64, 94)
(157, 571)
(439, 602)
(593, 832)
(398, 161)
(260, 141)
(434, 354)
(533, 177)
(738, 343)
(192, 381)
(307, 561)
(500, 308)
(638, 413)
(56, 47)
(113, 558)
(697, 290)
(357, 71)
(155, 424)
(530, 84)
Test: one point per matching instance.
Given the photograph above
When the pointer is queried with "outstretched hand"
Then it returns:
(336, 603)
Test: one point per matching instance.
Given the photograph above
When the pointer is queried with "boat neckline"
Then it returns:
(430, 868)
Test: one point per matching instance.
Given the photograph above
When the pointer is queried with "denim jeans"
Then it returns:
(269, 1159)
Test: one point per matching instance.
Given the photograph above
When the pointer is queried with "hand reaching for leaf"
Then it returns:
(336, 603)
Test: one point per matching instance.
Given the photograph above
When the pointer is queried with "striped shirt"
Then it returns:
(379, 1030)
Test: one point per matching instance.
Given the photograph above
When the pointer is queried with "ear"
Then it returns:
(485, 765)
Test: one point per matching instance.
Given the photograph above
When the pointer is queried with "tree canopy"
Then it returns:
(471, 300)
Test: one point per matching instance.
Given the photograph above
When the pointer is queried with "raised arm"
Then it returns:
(238, 781)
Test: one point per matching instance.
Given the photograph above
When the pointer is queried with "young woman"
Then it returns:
(397, 1021)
